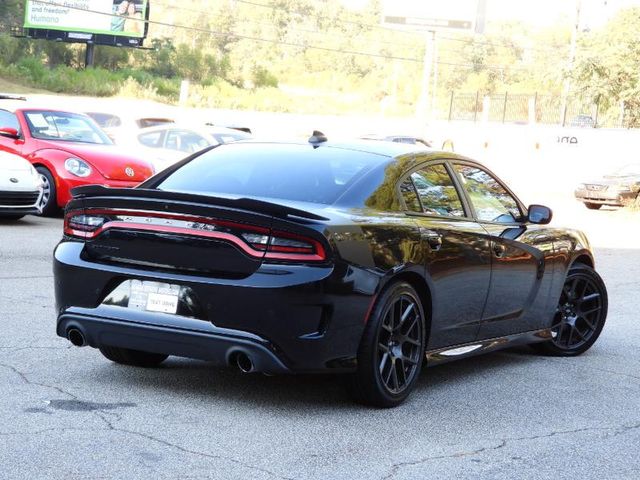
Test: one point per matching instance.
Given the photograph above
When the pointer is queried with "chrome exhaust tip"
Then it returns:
(76, 337)
(244, 363)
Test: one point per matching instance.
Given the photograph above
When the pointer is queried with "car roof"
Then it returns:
(387, 149)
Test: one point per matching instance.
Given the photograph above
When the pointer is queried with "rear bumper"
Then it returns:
(217, 345)
(293, 318)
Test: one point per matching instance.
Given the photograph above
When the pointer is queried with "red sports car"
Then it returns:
(68, 150)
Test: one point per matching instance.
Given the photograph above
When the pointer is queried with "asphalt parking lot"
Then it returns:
(67, 412)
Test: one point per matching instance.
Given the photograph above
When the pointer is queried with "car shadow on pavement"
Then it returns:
(205, 382)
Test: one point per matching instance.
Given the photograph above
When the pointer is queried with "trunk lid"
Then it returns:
(153, 229)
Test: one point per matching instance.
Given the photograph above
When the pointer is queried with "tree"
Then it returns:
(609, 69)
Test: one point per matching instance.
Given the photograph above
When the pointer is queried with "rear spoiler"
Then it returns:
(249, 204)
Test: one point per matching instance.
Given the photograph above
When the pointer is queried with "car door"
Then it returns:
(520, 281)
(8, 144)
(458, 253)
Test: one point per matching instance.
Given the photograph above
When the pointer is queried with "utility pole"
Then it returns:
(566, 88)
(424, 104)
(434, 86)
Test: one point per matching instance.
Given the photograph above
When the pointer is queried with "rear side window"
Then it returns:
(437, 192)
(289, 172)
(408, 192)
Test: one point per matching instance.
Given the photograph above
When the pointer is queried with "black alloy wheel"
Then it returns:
(580, 315)
(392, 348)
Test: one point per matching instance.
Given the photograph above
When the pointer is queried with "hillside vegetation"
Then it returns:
(302, 56)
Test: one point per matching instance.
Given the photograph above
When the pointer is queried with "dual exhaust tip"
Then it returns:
(243, 362)
(239, 359)
(76, 337)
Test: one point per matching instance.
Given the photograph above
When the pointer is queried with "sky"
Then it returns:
(537, 13)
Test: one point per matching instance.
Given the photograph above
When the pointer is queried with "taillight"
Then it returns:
(84, 226)
(286, 246)
(253, 240)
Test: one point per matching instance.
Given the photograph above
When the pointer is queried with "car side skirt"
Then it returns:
(457, 352)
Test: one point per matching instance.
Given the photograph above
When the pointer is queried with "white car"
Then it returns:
(121, 128)
(20, 187)
(168, 144)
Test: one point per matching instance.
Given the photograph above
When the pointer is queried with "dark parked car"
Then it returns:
(618, 189)
(367, 258)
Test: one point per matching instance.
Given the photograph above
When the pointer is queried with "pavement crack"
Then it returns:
(189, 451)
(604, 370)
(615, 431)
(27, 381)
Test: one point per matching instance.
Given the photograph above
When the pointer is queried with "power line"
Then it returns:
(317, 32)
(413, 33)
(282, 42)
(289, 28)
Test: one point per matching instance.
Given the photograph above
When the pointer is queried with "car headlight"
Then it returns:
(77, 167)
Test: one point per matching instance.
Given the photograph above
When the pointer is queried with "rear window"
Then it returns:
(152, 122)
(289, 172)
(105, 120)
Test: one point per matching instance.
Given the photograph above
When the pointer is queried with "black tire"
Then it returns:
(391, 347)
(49, 198)
(11, 217)
(580, 315)
(593, 206)
(134, 358)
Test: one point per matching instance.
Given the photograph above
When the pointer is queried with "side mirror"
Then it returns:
(9, 132)
(539, 214)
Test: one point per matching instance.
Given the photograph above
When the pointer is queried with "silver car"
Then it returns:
(618, 189)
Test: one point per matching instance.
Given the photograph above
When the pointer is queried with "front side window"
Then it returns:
(151, 139)
(437, 193)
(491, 201)
(64, 126)
(185, 141)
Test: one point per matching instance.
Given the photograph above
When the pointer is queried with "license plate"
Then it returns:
(154, 296)
(158, 302)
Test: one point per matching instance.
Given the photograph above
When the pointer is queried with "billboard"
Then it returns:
(433, 14)
(111, 22)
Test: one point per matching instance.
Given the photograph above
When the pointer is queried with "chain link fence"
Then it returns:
(530, 108)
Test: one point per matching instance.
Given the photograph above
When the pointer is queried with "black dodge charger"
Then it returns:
(367, 258)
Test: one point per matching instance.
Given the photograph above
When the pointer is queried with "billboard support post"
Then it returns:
(89, 55)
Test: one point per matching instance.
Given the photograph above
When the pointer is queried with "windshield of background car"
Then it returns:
(64, 126)
(289, 172)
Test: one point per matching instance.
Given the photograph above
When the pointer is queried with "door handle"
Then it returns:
(434, 239)
(498, 250)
